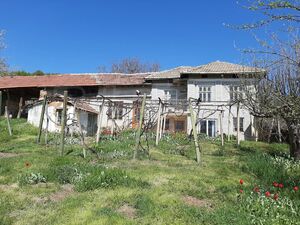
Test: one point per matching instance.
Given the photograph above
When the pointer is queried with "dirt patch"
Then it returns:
(127, 211)
(66, 190)
(202, 203)
(8, 187)
(161, 180)
(7, 155)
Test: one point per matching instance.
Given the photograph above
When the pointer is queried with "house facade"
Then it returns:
(215, 86)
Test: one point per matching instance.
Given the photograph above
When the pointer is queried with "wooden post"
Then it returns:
(279, 131)
(138, 133)
(256, 129)
(20, 108)
(229, 123)
(238, 124)
(0, 103)
(164, 124)
(42, 119)
(7, 99)
(161, 121)
(112, 130)
(80, 131)
(270, 131)
(8, 121)
(221, 128)
(193, 121)
(100, 118)
(63, 124)
(47, 126)
(158, 124)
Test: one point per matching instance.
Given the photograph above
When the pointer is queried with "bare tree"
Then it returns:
(277, 95)
(3, 66)
(273, 11)
(130, 66)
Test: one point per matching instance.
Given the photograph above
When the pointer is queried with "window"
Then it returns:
(170, 94)
(208, 127)
(235, 93)
(167, 127)
(179, 125)
(241, 124)
(58, 116)
(115, 110)
(205, 94)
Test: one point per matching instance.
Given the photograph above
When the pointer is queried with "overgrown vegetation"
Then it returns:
(167, 187)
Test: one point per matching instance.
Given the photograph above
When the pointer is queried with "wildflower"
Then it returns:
(276, 196)
(256, 189)
(296, 188)
(275, 184)
(267, 194)
(241, 191)
(27, 164)
(241, 181)
(280, 185)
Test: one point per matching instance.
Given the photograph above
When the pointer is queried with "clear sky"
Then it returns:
(76, 36)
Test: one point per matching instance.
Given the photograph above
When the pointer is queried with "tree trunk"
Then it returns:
(294, 140)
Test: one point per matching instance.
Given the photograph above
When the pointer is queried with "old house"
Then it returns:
(215, 85)
(119, 90)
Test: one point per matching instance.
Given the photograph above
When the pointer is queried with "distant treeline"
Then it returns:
(24, 73)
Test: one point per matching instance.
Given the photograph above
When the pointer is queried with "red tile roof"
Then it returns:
(70, 80)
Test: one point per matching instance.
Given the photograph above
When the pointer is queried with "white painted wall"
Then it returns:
(34, 114)
(220, 95)
(160, 90)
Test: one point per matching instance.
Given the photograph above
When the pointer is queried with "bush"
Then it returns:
(68, 174)
(32, 178)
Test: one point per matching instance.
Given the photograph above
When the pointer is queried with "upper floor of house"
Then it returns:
(215, 82)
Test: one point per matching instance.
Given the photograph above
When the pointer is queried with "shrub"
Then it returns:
(68, 174)
(32, 178)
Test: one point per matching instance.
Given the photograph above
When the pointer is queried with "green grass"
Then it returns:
(154, 187)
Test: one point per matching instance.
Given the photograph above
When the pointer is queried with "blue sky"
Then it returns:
(76, 36)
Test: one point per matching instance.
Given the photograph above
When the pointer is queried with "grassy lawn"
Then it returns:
(38, 186)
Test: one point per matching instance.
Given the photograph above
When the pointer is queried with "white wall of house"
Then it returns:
(168, 91)
(220, 95)
(34, 114)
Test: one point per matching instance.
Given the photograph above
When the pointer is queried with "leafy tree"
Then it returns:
(131, 66)
(20, 73)
(38, 73)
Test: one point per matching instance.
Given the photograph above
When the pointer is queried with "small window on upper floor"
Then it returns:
(241, 124)
(235, 93)
(115, 110)
(205, 93)
(170, 94)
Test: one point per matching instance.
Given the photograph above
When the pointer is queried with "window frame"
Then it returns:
(242, 119)
(205, 93)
